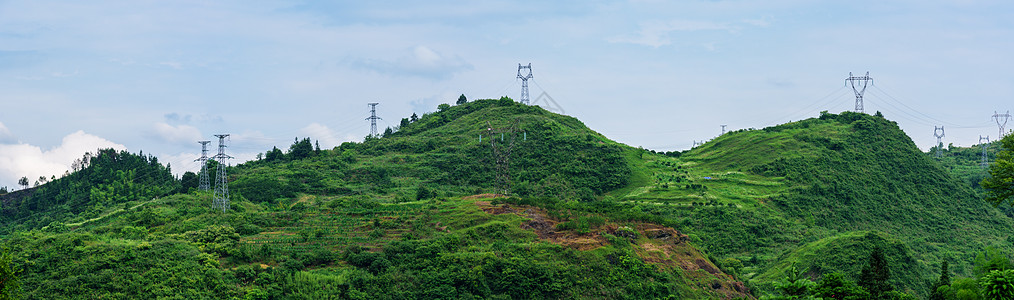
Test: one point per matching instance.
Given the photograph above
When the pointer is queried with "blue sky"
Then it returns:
(156, 76)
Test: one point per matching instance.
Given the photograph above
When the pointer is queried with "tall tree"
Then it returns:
(274, 154)
(461, 100)
(875, 275)
(945, 279)
(1000, 183)
(189, 180)
(300, 149)
(23, 182)
(414, 118)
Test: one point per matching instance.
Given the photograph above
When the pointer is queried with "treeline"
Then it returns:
(553, 156)
(101, 181)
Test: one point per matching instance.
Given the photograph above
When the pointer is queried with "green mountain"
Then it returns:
(405, 215)
(759, 195)
(412, 214)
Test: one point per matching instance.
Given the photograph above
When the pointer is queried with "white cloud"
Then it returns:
(6, 137)
(421, 61)
(17, 160)
(182, 162)
(177, 134)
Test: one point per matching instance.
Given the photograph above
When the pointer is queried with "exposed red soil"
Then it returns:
(665, 247)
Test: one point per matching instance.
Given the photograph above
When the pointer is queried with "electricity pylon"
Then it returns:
(940, 136)
(501, 152)
(859, 89)
(524, 82)
(996, 117)
(204, 185)
(985, 157)
(373, 119)
(221, 200)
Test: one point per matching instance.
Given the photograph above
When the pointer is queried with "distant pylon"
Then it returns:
(996, 117)
(940, 136)
(859, 89)
(221, 200)
(373, 119)
(524, 82)
(204, 185)
(723, 129)
(502, 153)
(985, 157)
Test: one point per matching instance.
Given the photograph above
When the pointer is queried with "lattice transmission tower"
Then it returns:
(858, 84)
(723, 129)
(221, 200)
(524, 82)
(204, 184)
(997, 116)
(985, 157)
(940, 136)
(373, 119)
(501, 143)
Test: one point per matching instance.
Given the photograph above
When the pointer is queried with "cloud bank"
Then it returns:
(18, 160)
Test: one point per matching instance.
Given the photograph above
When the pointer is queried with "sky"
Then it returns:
(158, 76)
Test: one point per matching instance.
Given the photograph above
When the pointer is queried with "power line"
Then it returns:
(925, 118)
(859, 90)
(524, 82)
(221, 200)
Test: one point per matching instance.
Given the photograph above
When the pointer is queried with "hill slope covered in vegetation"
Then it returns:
(757, 195)
(410, 214)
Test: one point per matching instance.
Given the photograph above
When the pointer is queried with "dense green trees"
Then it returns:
(109, 179)
(189, 180)
(10, 282)
(1000, 183)
(301, 149)
(998, 284)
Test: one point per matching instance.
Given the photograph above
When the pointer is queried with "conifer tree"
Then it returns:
(875, 275)
(945, 279)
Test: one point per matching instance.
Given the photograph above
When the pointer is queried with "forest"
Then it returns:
(840, 206)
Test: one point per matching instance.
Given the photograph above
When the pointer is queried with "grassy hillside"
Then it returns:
(554, 156)
(393, 217)
(757, 195)
(408, 215)
(848, 253)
